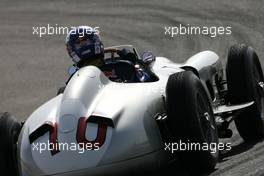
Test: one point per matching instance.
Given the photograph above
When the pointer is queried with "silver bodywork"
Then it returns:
(133, 138)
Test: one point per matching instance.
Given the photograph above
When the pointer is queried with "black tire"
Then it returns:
(9, 131)
(191, 120)
(244, 81)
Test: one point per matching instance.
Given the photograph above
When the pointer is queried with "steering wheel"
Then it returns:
(125, 70)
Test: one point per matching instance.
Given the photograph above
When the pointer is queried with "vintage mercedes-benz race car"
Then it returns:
(97, 126)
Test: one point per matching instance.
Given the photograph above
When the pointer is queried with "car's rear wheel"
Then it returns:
(9, 131)
(245, 83)
(191, 121)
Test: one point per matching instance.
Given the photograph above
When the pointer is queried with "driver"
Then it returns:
(85, 48)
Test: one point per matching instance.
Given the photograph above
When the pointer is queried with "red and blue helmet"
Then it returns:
(84, 44)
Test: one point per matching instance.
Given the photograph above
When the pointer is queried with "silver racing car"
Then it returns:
(96, 126)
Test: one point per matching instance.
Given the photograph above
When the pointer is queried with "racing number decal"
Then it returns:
(100, 137)
(52, 128)
(54, 139)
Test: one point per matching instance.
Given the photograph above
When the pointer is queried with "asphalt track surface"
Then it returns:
(32, 68)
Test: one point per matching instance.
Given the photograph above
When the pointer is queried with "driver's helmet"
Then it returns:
(85, 46)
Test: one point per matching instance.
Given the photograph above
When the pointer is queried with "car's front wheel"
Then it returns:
(9, 131)
(191, 121)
